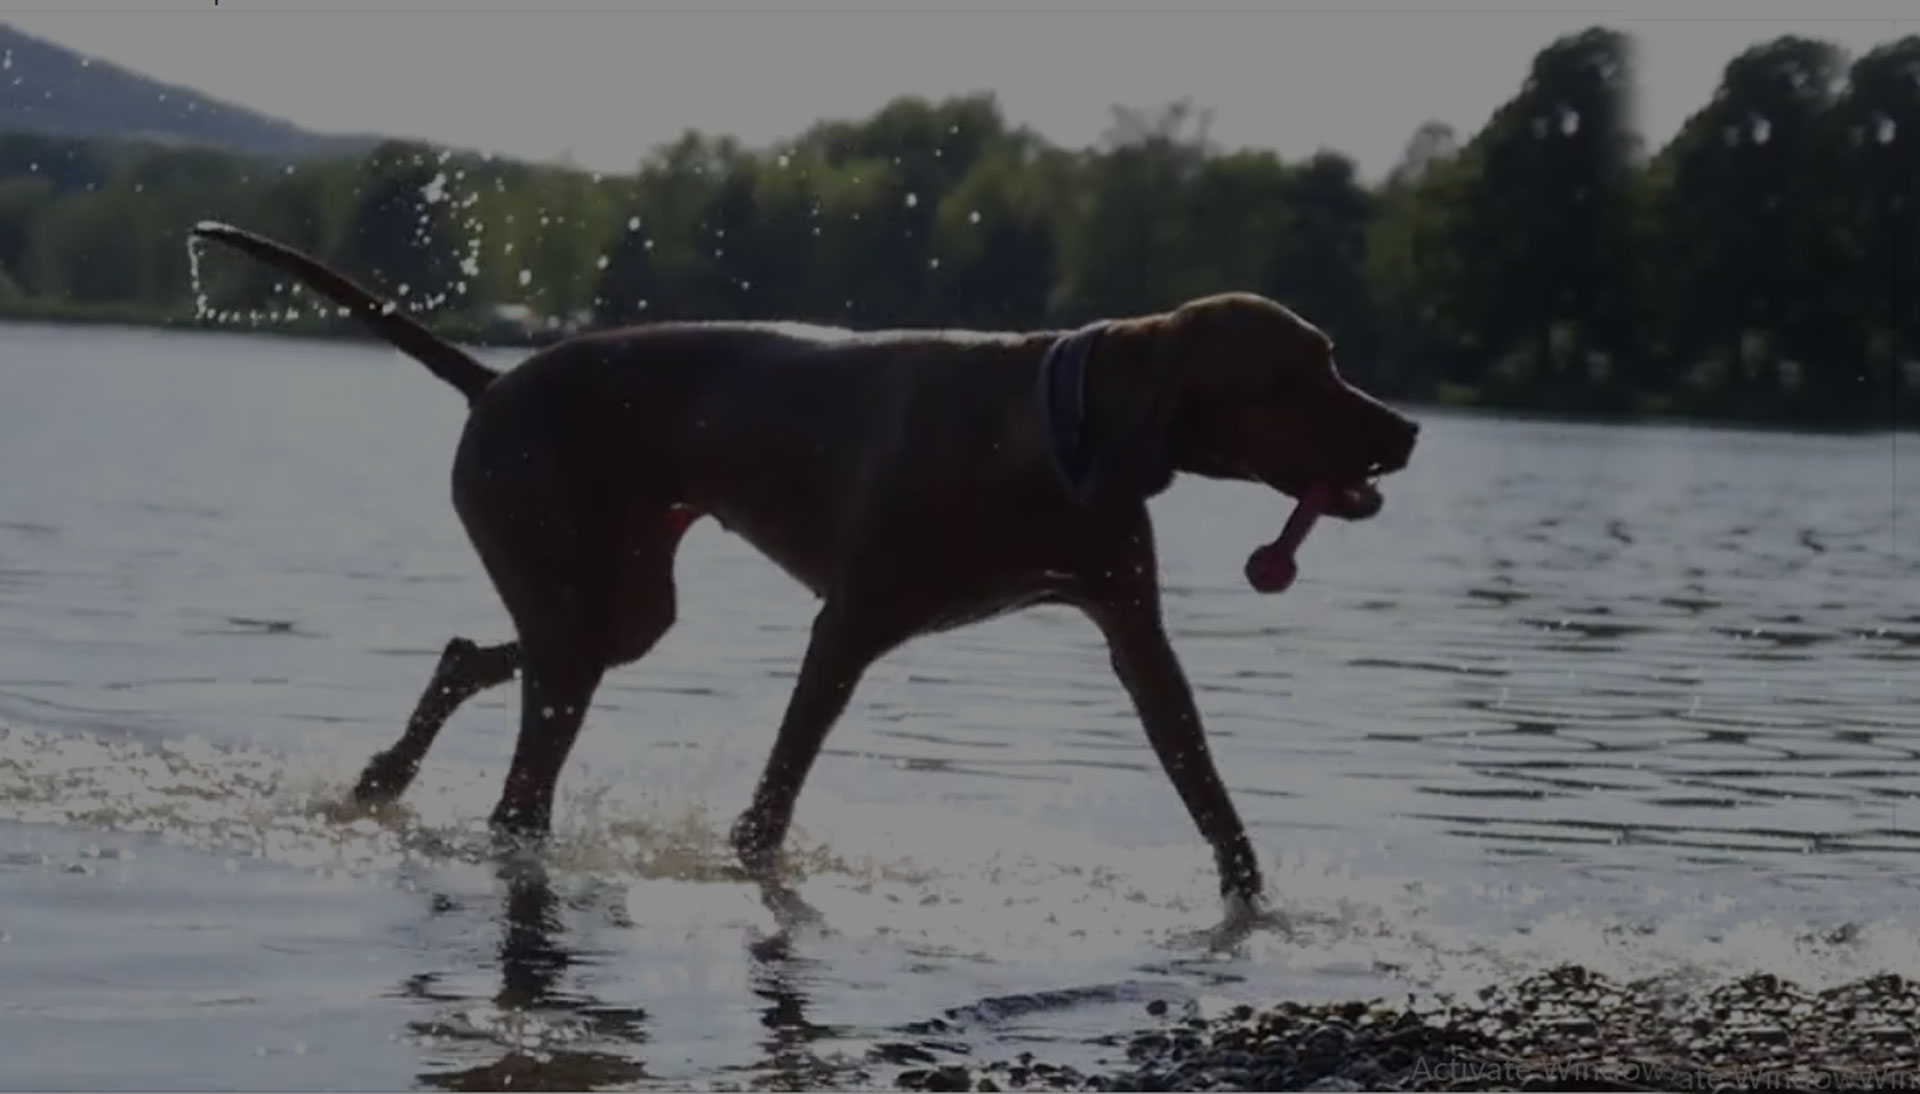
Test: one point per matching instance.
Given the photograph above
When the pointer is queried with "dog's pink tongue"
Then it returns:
(1271, 569)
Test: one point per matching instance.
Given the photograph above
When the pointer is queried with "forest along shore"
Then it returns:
(1555, 260)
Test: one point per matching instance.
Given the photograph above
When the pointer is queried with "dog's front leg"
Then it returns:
(1144, 661)
(845, 641)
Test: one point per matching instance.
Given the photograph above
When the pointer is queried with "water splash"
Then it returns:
(952, 881)
(201, 308)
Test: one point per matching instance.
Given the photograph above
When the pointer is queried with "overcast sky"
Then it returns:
(605, 81)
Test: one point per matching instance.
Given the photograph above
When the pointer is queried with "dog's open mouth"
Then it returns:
(1272, 568)
(1358, 500)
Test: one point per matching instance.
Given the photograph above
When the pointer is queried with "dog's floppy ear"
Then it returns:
(1107, 394)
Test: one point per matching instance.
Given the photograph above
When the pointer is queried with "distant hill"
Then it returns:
(48, 88)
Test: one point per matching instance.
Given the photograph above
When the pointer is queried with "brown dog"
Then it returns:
(914, 481)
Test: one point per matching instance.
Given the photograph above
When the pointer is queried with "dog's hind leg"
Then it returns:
(574, 627)
(465, 670)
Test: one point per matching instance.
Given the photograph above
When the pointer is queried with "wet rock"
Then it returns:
(1566, 1028)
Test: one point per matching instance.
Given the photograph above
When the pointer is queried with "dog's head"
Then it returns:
(1233, 386)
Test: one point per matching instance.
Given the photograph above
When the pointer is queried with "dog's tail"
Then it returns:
(442, 358)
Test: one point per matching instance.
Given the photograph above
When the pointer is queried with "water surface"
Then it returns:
(1639, 697)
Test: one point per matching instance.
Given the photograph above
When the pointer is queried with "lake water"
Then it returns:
(1644, 698)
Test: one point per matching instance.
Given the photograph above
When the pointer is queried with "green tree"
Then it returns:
(1124, 241)
(996, 237)
(1742, 194)
(1547, 216)
(23, 202)
(89, 249)
(1876, 126)
(397, 235)
(1319, 264)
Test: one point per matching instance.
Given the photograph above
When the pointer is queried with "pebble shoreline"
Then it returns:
(1563, 1029)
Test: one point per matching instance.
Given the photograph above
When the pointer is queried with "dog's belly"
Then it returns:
(967, 613)
(801, 549)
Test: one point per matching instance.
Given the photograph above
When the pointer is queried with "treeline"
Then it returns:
(1763, 265)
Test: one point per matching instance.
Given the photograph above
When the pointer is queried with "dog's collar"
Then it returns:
(1063, 406)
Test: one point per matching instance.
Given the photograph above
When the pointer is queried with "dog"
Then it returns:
(913, 481)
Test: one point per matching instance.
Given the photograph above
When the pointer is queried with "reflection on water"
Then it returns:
(1639, 697)
(576, 1042)
(545, 1032)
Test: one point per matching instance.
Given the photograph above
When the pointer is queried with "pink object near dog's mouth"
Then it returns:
(1273, 567)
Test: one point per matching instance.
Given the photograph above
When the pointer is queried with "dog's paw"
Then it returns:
(754, 846)
(383, 780)
(512, 831)
(1242, 908)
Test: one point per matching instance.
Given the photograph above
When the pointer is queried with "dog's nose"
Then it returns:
(1402, 436)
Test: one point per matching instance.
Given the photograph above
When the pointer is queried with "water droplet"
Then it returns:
(526, 277)
(601, 262)
(973, 217)
(913, 200)
(633, 224)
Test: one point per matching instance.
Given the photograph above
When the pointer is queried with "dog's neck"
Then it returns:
(1062, 396)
